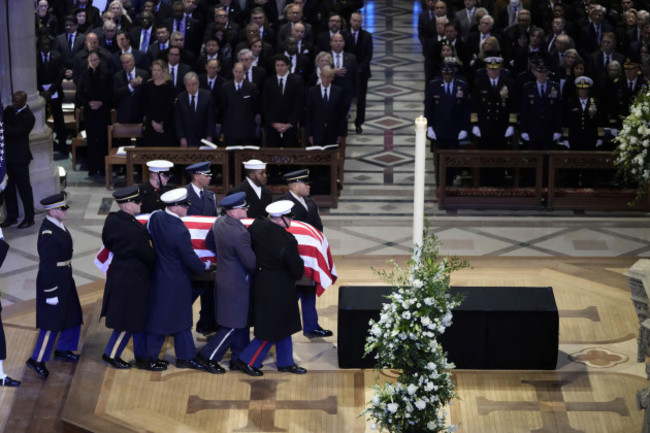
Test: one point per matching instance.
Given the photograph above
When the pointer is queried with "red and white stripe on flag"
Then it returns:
(312, 245)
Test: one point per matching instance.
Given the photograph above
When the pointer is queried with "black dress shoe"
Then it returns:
(161, 362)
(8, 223)
(293, 369)
(319, 332)
(65, 355)
(209, 365)
(25, 224)
(7, 381)
(359, 129)
(189, 363)
(38, 367)
(116, 362)
(240, 365)
(149, 365)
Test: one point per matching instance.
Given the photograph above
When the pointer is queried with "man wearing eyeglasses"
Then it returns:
(126, 294)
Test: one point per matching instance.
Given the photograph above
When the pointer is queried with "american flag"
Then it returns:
(312, 245)
(3, 164)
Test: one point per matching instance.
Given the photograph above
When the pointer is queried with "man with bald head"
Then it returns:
(81, 58)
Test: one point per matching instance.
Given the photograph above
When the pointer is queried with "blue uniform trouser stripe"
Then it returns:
(183, 345)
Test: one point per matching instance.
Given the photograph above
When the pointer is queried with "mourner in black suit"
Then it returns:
(126, 293)
(170, 306)
(300, 64)
(275, 304)
(143, 35)
(50, 72)
(127, 90)
(194, 113)
(69, 44)
(361, 46)
(58, 310)
(346, 71)
(189, 27)
(240, 109)
(325, 111)
(305, 209)
(258, 195)
(203, 203)
(177, 70)
(212, 82)
(159, 46)
(283, 103)
(4, 379)
(124, 42)
(230, 241)
(18, 123)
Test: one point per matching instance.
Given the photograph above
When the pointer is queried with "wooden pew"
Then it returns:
(299, 158)
(177, 155)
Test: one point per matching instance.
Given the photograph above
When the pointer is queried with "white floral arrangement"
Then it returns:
(405, 339)
(633, 144)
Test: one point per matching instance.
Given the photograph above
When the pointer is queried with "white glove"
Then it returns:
(599, 142)
(207, 265)
(614, 132)
(524, 136)
(564, 143)
(556, 136)
(52, 301)
(431, 133)
(462, 135)
(510, 132)
(476, 131)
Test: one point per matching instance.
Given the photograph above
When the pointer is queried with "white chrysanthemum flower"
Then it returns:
(428, 387)
(392, 407)
(420, 404)
(428, 301)
(417, 283)
(426, 321)
(375, 400)
(406, 315)
(412, 389)
(432, 426)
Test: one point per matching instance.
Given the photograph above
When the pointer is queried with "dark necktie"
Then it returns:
(144, 41)
(193, 104)
(280, 86)
(238, 86)
(607, 60)
(70, 41)
(325, 95)
(178, 25)
(109, 43)
(210, 83)
(172, 75)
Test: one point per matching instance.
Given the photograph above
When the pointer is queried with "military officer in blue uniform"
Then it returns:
(58, 310)
(170, 301)
(231, 242)
(275, 299)
(446, 107)
(204, 203)
(541, 110)
(305, 210)
(126, 294)
(150, 191)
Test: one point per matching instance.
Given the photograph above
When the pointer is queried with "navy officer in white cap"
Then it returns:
(231, 242)
(150, 191)
(275, 298)
(58, 310)
(305, 210)
(258, 195)
(170, 306)
(204, 202)
(128, 280)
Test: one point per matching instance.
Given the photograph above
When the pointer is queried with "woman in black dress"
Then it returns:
(158, 97)
(94, 93)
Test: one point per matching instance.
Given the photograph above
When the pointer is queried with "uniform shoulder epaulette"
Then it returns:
(46, 232)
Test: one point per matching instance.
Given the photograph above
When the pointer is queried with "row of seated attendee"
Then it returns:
(184, 91)
(502, 83)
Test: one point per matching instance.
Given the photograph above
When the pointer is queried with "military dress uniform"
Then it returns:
(126, 294)
(149, 195)
(447, 111)
(541, 115)
(58, 310)
(306, 211)
(275, 299)
(493, 111)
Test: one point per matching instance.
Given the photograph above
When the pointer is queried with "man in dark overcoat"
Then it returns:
(258, 195)
(18, 123)
(170, 300)
(231, 242)
(126, 294)
(4, 379)
(204, 203)
(305, 209)
(275, 298)
(58, 310)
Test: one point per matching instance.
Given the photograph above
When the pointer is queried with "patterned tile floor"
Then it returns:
(374, 216)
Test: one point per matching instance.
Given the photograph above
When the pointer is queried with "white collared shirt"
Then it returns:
(169, 212)
(301, 200)
(196, 190)
(56, 222)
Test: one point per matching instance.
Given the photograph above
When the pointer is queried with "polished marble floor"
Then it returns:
(374, 216)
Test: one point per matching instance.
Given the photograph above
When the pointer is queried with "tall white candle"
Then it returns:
(418, 183)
